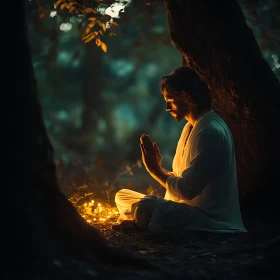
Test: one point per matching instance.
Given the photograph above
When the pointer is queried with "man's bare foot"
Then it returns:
(126, 225)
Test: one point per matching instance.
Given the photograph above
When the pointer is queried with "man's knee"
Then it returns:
(120, 195)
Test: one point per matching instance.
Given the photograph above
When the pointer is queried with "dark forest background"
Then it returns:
(96, 104)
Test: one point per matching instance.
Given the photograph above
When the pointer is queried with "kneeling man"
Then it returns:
(202, 188)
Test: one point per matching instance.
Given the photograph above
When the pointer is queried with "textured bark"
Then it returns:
(42, 224)
(51, 217)
(217, 44)
(48, 226)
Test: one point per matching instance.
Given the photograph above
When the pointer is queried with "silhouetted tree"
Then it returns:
(47, 227)
(216, 43)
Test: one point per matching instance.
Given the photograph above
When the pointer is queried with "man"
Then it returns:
(202, 190)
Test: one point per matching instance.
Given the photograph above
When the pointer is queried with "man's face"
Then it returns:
(176, 106)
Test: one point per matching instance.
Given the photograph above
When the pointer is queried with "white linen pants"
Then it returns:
(135, 206)
(161, 215)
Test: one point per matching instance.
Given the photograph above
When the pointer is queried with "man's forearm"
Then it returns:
(161, 175)
(167, 171)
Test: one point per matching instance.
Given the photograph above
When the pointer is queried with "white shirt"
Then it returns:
(205, 176)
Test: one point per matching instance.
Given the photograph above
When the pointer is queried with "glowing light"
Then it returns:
(97, 215)
(53, 14)
(114, 10)
(65, 27)
(275, 60)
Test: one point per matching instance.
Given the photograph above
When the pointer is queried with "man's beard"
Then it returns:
(177, 116)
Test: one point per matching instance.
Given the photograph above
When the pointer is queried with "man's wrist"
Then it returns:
(160, 175)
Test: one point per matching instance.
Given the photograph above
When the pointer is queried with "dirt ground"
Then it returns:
(194, 255)
(207, 255)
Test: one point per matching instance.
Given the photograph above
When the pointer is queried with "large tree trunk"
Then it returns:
(42, 224)
(216, 43)
(50, 215)
(82, 140)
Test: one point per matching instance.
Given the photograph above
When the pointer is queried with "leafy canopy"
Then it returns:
(95, 22)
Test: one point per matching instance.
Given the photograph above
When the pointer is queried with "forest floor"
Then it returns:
(193, 255)
(204, 255)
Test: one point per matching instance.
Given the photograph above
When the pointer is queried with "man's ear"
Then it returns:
(187, 97)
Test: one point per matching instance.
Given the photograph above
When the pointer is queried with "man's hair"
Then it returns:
(185, 79)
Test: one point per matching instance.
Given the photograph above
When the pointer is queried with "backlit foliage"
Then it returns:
(95, 24)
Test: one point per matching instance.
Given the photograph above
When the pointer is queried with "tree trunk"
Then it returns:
(35, 164)
(82, 140)
(42, 225)
(93, 103)
(217, 44)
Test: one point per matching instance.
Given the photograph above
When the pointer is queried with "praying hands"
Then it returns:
(152, 160)
(151, 156)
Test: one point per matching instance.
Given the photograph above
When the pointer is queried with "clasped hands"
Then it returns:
(151, 156)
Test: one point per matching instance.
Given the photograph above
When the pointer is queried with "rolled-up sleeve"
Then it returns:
(207, 163)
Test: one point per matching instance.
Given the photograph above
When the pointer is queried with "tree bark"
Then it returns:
(36, 166)
(47, 226)
(217, 44)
